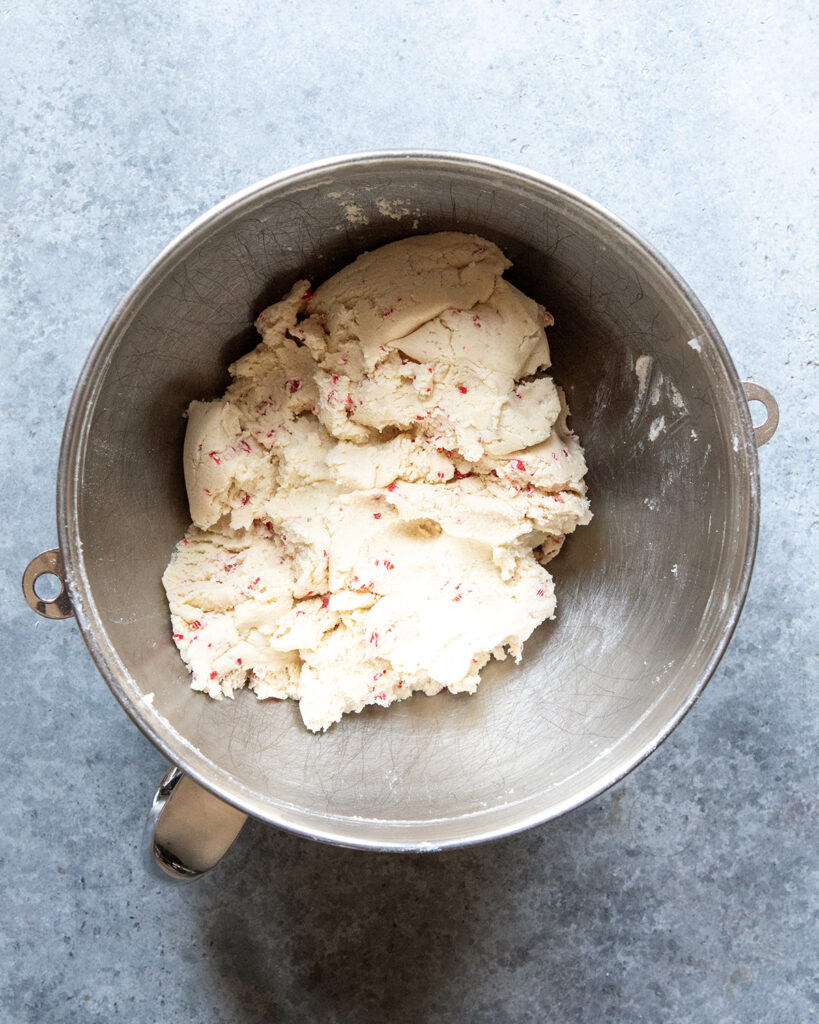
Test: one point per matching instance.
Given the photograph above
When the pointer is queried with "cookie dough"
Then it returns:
(376, 495)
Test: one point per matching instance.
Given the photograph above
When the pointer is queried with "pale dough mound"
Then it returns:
(374, 497)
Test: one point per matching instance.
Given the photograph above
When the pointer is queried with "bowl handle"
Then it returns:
(188, 829)
(47, 563)
(755, 393)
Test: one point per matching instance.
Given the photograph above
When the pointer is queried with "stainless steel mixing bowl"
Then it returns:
(648, 594)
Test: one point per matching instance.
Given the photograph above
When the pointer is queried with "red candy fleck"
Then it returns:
(388, 565)
(335, 379)
(376, 515)
(238, 661)
(457, 597)
(565, 453)
(245, 447)
(392, 486)
(213, 675)
(178, 636)
(196, 624)
(476, 320)
(540, 592)
(385, 314)
(381, 696)
(293, 386)
(374, 639)
(519, 465)
(246, 499)
(325, 602)
(215, 457)
(307, 295)
(324, 554)
(462, 389)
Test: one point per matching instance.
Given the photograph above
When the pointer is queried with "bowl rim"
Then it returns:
(330, 828)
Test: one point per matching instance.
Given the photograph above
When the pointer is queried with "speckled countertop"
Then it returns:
(688, 892)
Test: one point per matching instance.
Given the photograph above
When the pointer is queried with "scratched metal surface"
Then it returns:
(646, 594)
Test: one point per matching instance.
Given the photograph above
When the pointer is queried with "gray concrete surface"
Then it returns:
(687, 893)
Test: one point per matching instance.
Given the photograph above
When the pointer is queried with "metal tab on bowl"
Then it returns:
(756, 393)
(48, 563)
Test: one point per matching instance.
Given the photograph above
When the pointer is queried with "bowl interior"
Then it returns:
(647, 594)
